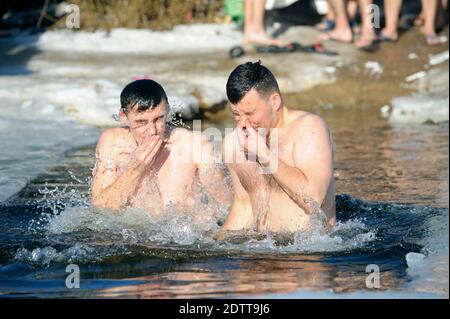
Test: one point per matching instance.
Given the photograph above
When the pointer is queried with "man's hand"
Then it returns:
(253, 144)
(144, 155)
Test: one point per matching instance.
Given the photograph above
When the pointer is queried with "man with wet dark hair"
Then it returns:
(146, 163)
(286, 175)
(251, 76)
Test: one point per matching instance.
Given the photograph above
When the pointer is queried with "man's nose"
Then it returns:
(151, 129)
(242, 121)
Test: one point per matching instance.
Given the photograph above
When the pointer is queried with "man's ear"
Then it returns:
(123, 117)
(276, 101)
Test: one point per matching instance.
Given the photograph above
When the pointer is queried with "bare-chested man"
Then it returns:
(146, 164)
(300, 182)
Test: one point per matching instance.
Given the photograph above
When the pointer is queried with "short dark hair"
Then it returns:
(142, 95)
(249, 76)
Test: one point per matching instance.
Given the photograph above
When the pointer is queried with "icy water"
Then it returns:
(50, 224)
(391, 180)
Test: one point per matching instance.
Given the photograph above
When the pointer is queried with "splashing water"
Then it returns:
(64, 228)
(75, 215)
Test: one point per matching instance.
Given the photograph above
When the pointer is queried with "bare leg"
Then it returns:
(367, 30)
(342, 32)
(420, 19)
(352, 9)
(430, 10)
(440, 19)
(392, 12)
(258, 16)
(248, 20)
(330, 16)
(254, 32)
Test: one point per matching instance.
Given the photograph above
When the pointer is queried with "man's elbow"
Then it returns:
(98, 201)
(103, 203)
(311, 203)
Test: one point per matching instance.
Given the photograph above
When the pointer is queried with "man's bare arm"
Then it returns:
(212, 175)
(111, 189)
(241, 213)
(307, 183)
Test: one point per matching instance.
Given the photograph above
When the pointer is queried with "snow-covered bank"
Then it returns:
(92, 102)
(32, 140)
(83, 73)
(181, 40)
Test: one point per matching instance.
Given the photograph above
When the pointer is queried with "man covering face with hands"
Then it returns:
(148, 164)
(280, 160)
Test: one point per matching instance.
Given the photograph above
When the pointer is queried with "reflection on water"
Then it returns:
(255, 275)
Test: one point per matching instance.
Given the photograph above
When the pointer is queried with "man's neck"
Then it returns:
(282, 118)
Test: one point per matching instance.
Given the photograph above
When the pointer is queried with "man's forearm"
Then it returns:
(117, 195)
(293, 181)
(212, 178)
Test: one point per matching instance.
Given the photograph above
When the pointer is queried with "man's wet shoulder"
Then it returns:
(302, 119)
(180, 135)
(114, 136)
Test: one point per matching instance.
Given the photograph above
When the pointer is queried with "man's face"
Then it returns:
(254, 110)
(147, 123)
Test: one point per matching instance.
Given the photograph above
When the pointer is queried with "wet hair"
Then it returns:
(249, 76)
(142, 95)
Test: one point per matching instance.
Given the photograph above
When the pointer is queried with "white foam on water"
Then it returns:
(45, 256)
(163, 226)
(345, 236)
(199, 226)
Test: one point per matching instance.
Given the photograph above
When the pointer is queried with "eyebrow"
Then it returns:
(145, 119)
